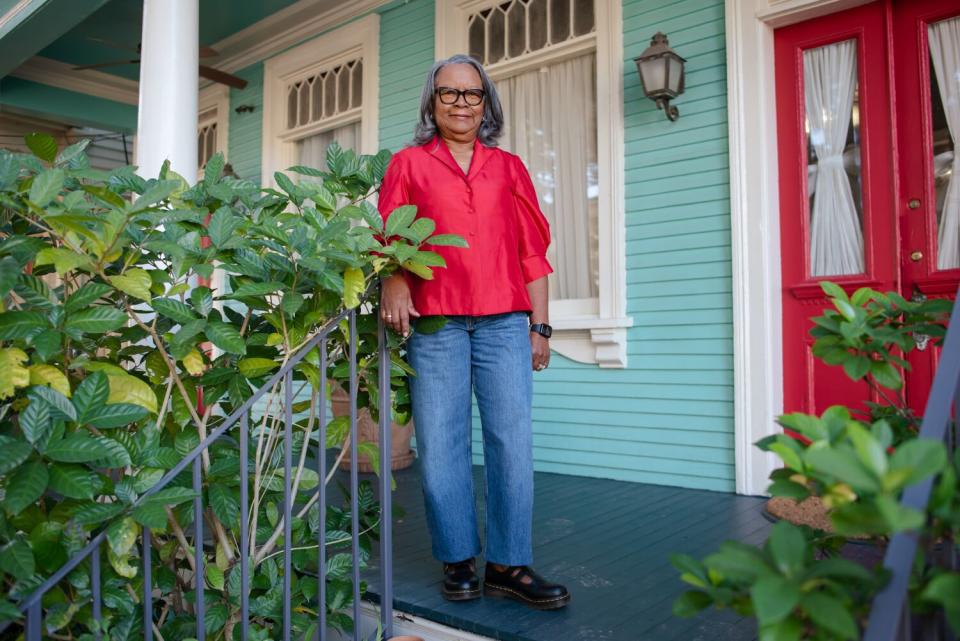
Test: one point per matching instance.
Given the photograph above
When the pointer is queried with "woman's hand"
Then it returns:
(540, 350)
(396, 306)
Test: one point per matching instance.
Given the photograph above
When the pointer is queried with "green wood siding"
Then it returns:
(406, 54)
(244, 147)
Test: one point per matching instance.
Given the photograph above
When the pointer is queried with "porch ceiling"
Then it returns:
(119, 21)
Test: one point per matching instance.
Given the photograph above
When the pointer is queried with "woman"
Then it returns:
(494, 294)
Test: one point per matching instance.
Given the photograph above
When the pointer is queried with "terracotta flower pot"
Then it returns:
(405, 637)
(401, 456)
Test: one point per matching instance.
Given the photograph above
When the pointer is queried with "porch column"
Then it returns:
(169, 87)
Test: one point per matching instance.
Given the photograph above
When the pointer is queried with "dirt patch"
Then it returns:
(810, 511)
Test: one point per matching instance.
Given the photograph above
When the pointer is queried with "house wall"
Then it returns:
(668, 417)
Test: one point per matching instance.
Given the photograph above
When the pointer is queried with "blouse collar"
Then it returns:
(439, 150)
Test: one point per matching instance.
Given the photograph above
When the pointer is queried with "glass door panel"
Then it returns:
(943, 38)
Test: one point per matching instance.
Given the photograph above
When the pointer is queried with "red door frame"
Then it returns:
(809, 386)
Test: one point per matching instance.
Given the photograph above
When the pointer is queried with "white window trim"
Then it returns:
(593, 331)
(359, 38)
(216, 98)
(755, 213)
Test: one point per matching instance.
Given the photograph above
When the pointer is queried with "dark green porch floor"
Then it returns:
(608, 541)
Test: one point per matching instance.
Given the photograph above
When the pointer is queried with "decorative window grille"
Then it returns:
(206, 143)
(512, 29)
(327, 94)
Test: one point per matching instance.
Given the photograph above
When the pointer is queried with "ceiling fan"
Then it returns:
(205, 71)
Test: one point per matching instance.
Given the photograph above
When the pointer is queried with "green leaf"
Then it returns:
(868, 450)
(60, 406)
(116, 454)
(116, 415)
(87, 294)
(213, 169)
(842, 465)
(202, 300)
(353, 286)
(16, 558)
(151, 515)
(12, 453)
(135, 282)
(422, 271)
(830, 614)
(834, 291)
(787, 547)
(25, 486)
(222, 225)
(254, 367)
(918, 459)
(125, 388)
(122, 535)
(36, 422)
(226, 337)
(46, 187)
(73, 481)
(174, 310)
(78, 447)
(13, 374)
(215, 577)
(399, 219)
(256, 289)
(447, 240)
(96, 320)
(225, 505)
(63, 260)
(94, 513)
(856, 367)
(691, 602)
(944, 589)
(42, 145)
(886, 374)
(9, 270)
(71, 152)
(773, 599)
(419, 230)
(14, 325)
(91, 395)
(172, 496)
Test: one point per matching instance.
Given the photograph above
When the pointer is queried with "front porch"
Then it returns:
(608, 541)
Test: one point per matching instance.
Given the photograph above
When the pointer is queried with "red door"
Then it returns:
(863, 142)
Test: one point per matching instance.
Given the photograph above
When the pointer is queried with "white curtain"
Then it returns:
(551, 123)
(312, 151)
(836, 240)
(945, 53)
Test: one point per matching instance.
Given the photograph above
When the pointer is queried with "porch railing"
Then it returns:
(239, 421)
(890, 615)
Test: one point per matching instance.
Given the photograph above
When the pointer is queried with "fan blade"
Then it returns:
(107, 64)
(115, 45)
(222, 77)
(208, 52)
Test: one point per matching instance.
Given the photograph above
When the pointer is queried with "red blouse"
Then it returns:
(493, 207)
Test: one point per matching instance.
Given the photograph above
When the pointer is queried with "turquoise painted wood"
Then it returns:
(37, 24)
(244, 149)
(60, 105)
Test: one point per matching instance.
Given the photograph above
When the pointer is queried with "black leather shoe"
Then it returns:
(522, 584)
(460, 581)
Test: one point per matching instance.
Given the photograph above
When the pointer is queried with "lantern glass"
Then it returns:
(674, 74)
(653, 73)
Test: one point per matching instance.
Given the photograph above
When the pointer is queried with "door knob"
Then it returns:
(916, 256)
(914, 203)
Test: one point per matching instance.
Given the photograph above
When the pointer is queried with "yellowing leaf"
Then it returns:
(135, 282)
(50, 375)
(12, 372)
(352, 286)
(63, 260)
(253, 367)
(125, 388)
(274, 339)
(193, 361)
(121, 564)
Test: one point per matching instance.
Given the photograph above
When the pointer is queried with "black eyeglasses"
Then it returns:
(449, 95)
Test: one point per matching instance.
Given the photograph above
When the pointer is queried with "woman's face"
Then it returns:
(458, 121)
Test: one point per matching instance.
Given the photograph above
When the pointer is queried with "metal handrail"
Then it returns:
(31, 605)
(889, 615)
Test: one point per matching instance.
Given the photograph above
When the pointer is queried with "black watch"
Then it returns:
(543, 329)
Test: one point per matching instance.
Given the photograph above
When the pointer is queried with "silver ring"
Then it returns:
(389, 315)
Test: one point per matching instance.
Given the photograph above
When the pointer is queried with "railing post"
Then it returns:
(386, 496)
(354, 479)
(199, 578)
(147, 592)
(244, 529)
(287, 499)
(95, 590)
(322, 498)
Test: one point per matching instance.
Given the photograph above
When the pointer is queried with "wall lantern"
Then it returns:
(661, 73)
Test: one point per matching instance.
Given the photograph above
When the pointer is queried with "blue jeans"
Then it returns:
(490, 356)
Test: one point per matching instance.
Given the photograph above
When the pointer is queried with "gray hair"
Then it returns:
(491, 126)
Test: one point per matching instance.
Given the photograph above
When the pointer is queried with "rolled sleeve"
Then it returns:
(533, 228)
